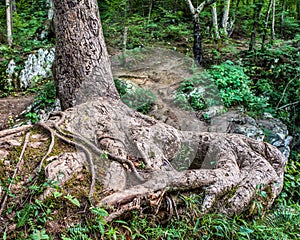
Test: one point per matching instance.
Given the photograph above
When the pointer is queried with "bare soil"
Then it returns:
(11, 107)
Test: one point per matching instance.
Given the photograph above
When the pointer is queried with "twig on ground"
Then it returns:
(287, 105)
(284, 91)
(15, 172)
(6, 132)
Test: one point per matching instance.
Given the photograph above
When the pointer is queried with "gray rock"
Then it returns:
(267, 128)
(37, 67)
(10, 71)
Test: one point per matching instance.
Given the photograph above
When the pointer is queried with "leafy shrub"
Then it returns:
(225, 84)
(291, 190)
(47, 94)
(190, 95)
(197, 93)
(45, 98)
(235, 87)
(290, 27)
(275, 73)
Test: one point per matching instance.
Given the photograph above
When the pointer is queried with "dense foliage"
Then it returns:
(265, 79)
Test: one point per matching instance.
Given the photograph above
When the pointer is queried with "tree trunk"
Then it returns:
(273, 20)
(224, 22)
(266, 23)
(215, 22)
(197, 47)
(282, 17)
(9, 22)
(258, 7)
(81, 67)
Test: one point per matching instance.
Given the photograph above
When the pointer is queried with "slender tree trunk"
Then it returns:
(81, 68)
(231, 27)
(13, 6)
(266, 23)
(197, 48)
(258, 7)
(215, 22)
(151, 5)
(224, 22)
(273, 20)
(282, 17)
(9, 22)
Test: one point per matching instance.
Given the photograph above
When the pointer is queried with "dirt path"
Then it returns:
(161, 71)
(11, 107)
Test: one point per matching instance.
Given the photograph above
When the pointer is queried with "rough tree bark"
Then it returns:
(230, 170)
(81, 60)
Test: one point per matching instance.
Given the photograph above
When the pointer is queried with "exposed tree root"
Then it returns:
(7, 132)
(82, 148)
(230, 170)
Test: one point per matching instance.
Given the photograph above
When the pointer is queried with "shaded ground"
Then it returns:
(11, 107)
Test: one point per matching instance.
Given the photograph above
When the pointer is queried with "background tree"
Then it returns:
(197, 48)
(224, 22)
(215, 22)
(9, 21)
(256, 16)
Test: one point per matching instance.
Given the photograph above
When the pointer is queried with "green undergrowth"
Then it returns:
(29, 21)
(225, 84)
(135, 97)
(67, 214)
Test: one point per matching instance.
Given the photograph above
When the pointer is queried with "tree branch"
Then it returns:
(204, 4)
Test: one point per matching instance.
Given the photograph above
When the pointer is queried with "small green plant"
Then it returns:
(45, 98)
(77, 232)
(135, 97)
(73, 200)
(197, 93)
(33, 117)
(39, 235)
(10, 121)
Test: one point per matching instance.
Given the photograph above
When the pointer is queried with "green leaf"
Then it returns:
(57, 194)
(73, 200)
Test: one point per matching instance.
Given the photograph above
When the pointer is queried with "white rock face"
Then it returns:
(37, 67)
(10, 71)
